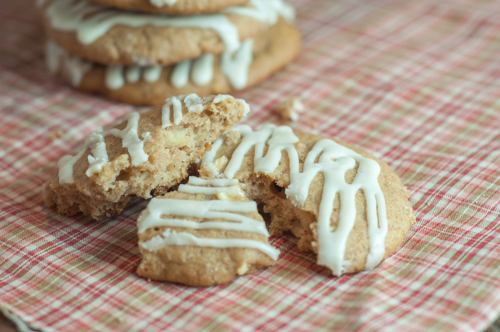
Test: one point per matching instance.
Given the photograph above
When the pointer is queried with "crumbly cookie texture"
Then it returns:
(117, 37)
(145, 155)
(341, 202)
(173, 7)
(272, 50)
(204, 234)
(289, 109)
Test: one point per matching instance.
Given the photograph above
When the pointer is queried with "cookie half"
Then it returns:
(342, 203)
(118, 37)
(144, 155)
(203, 234)
(252, 63)
(173, 7)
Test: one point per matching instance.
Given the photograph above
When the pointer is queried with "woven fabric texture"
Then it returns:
(416, 82)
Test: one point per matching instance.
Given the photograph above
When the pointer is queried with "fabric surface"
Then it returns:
(413, 81)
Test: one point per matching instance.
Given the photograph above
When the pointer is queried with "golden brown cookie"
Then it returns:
(206, 75)
(342, 203)
(173, 7)
(144, 155)
(118, 37)
(203, 234)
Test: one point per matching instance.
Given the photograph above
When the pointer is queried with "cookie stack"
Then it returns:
(143, 51)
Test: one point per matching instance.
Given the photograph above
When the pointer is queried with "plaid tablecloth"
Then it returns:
(416, 82)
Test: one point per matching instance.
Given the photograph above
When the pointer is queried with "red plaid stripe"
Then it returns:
(415, 82)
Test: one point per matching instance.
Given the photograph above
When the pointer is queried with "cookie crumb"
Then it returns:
(56, 134)
(289, 109)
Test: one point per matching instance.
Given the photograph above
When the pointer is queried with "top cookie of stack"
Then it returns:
(170, 48)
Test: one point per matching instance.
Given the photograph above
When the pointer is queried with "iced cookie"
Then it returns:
(341, 202)
(118, 37)
(203, 234)
(173, 7)
(144, 155)
(253, 62)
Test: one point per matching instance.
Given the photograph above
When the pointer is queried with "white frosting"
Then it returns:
(91, 21)
(203, 70)
(224, 215)
(114, 77)
(334, 161)
(235, 66)
(133, 74)
(98, 156)
(186, 239)
(268, 10)
(193, 103)
(212, 182)
(152, 74)
(180, 74)
(117, 75)
(74, 67)
(214, 190)
(161, 3)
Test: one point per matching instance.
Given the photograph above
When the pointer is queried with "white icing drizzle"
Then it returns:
(203, 70)
(213, 210)
(74, 67)
(98, 156)
(151, 74)
(235, 66)
(117, 75)
(187, 239)
(193, 103)
(161, 3)
(91, 21)
(133, 74)
(268, 11)
(180, 74)
(334, 161)
(114, 77)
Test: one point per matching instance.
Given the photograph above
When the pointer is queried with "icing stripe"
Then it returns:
(334, 161)
(74, 67)
(210, 210)
(187, 239)
(161, 3)
(201, 69)
(212, 182)
(91, 21)
(98, 156)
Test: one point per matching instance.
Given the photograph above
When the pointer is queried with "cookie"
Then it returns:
(117, 37)
(342, 203)
(203, 234)
(206, 75)
(142, 156)
(173, 7)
